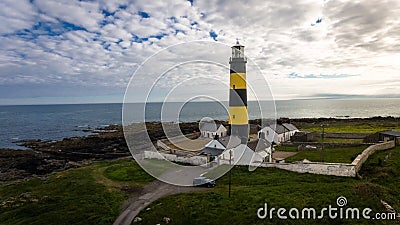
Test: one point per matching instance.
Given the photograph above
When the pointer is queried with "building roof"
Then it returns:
(279, 129)
(215, 144)
(233, 142)
(211, 151)
(258, 145)
(211, 127)
(230, 141)
(290, 126)
(391, 133)
(243, 155)
(300, 133)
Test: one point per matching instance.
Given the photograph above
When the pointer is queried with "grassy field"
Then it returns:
(89, 195)
(349, 126)
(95, 193)
(279, 188)
(286, 148)
(338, 155)
(340, 140)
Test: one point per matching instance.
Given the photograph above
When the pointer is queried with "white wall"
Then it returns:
(221, 131)
(194, 160)
(277, 138)
(270, 135)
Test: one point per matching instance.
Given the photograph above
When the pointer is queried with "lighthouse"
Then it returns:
(238, 115)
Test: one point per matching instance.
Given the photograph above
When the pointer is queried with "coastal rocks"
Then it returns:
(44, 157)
(137, 219)
(21, 164)
(21, 200)
(166, 219)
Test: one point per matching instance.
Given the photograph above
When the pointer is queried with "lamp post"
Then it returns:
(230, 172)
(322, 135)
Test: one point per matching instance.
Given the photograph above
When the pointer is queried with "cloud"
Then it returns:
(16, 15)
(323, 76)
(98, 44)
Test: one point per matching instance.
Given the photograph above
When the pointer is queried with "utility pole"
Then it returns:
(230, 172)
(323, 134)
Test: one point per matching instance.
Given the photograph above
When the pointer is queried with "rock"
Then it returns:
(137, 219)
(25, 195)
(166, 219)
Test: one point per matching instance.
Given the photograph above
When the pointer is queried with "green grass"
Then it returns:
(338, 154)
(286, 148)
(89, 195)
(348, 126)
(131, 171)
(279, 188)
(340, 140)
(94, 194)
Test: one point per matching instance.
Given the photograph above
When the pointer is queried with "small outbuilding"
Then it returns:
(390, 135)
(209, 130)
(277, 133)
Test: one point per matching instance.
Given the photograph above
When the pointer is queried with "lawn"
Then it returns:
(95, 193)
(279, 188)
(350, 126)
(89, 195)
(337, 154)
(340, 140)
(286, 148)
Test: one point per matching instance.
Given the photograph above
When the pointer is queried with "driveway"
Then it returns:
(150, 193)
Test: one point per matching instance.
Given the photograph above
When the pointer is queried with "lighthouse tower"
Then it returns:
(238, 116)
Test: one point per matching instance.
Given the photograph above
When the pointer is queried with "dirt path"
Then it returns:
(150, 193)
(282, 154)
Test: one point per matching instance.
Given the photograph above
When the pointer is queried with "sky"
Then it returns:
(69, 51)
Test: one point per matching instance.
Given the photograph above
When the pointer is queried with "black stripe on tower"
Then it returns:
(237, 97)
(238, 67)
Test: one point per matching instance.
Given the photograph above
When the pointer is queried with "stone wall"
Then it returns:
(361, 158)
(194, 160)
(346, 135)
(327, 144)
(335, 169)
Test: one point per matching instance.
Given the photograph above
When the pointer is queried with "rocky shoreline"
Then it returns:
(44, 157)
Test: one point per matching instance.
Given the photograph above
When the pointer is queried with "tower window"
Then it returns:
(233, 116)
(233, 86)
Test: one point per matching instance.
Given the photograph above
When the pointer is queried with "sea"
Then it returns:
(55, 122)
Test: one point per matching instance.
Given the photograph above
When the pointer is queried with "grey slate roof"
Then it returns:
(230, 141)
(258, 145)
(211, 151)
(391, 133)
(289, 126)
(279, 129)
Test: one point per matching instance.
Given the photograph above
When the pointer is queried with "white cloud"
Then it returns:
(101, 43)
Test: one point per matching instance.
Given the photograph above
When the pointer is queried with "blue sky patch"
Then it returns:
(213, 35)
(143, 14)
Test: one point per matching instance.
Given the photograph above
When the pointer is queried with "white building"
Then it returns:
(255, 151)
(291, 129)
(277, 133)
(209, 130)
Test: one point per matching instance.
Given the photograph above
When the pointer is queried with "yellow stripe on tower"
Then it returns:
(238, 115)
(238, 80)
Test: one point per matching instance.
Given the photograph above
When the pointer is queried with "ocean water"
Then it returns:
(54, 122)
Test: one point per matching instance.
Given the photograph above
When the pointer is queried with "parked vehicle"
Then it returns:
(203, 182)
